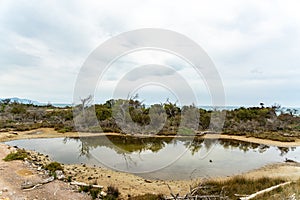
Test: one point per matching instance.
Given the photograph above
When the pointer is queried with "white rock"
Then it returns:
(60, 175)
(102, 193)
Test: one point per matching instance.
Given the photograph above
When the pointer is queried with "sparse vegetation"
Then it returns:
(94, 192)
(147, 197)
(274, 123)
(53, 166)
(291, 191)
(235, 186)
(112, 192)
(20, 154)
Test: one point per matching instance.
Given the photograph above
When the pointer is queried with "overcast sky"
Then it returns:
(255, 46)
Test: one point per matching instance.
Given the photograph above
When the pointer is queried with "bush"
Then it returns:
(112, 193)
(53, 166)
(94, 192)
(20, 154)
(185, 131)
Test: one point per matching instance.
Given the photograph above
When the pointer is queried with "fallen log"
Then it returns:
(264, 191)
(31, 186)
(197, 197)
(86, 185)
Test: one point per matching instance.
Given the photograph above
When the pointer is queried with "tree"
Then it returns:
(86, 101)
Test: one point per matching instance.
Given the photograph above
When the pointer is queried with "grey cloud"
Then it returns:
(240, 39)
(148, 71)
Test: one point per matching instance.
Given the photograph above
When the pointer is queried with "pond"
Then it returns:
(162, 158)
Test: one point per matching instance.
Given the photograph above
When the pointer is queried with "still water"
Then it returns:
(162, 158)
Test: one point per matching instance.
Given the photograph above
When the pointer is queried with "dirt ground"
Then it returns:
(14, 173)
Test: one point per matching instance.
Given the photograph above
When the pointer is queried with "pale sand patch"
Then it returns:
(24, 172)
(44, 133)
(253, 140)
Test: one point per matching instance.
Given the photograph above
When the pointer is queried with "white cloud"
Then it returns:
(44, 43)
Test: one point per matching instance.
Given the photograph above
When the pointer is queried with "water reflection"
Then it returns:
(164, 157)
(130, 144)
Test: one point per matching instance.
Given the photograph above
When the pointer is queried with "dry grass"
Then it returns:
(147, 197)
(291, 192)
(236, 185)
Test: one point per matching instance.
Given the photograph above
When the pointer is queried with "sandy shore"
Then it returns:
(254, 140)
(130, 185)
(51, 133)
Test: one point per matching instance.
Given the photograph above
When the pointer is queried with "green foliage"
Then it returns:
(112, 193)
(185, 131)
(20, 154)
(85, 189)
(261, 122)
(18, 109)
(103, 112)
(69, 179)
(94, 192)
(204, 119)
(65, 129)
(53, 166)
(171, 109)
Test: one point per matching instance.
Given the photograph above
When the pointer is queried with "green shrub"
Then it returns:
(185, 131)
(53, 166)
(112, 193)
(94, 192)
(20, 154)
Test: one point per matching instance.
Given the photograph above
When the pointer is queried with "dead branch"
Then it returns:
(31, 186)
(85, 185)
(264, 191)
(199, 197)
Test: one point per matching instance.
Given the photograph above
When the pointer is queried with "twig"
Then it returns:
(171, 192)
(32, 188)
(264, 191)
(84, 184)
(196, 197)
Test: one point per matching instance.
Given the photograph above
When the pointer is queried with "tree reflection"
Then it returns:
(243, 146)
(126, 145)
(194, 146)
(283, 150)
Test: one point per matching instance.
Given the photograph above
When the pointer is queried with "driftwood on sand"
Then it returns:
(31, 186)
(85, 185)
(264, 191)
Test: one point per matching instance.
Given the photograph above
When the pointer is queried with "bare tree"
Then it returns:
(86, 101)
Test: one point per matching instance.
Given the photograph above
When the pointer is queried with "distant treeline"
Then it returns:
(261, 121)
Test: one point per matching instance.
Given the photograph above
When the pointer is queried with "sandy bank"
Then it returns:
(51, 133)
(129, 184)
